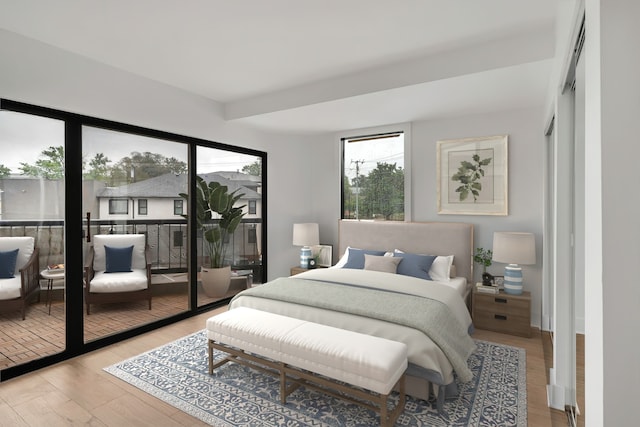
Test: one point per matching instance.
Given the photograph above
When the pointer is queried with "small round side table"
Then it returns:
(50, 276)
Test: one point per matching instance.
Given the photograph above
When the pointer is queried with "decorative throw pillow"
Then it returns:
(8, 263)
(356, 257)
(118, 260)
(441, 268)
(381, 263)
(415, 265)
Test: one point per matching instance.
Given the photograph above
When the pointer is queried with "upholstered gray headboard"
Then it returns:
(432, 238)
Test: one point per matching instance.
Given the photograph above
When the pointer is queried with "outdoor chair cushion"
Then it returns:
(104, 282)
(119, 241)
(25, 246)
(10, 288)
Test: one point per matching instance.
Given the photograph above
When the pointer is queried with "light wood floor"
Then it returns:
(79, 392)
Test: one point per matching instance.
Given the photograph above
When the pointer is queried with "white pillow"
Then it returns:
(343, 260)
(440, 270)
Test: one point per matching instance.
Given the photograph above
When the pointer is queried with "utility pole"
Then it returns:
(358, 163)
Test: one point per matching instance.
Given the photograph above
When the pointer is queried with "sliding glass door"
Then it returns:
(32, 211)
(110, 213)
(238, 249)
(131, 186)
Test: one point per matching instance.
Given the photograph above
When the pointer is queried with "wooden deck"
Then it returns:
(42, 334)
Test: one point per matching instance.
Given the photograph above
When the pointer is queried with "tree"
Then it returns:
(348, 199)
(141, 166)
(254, 168)
(383, 192)
(50, 165)
(4, 171)
(98, 168)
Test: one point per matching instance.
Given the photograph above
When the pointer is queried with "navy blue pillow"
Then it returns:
(118, 260)
(8, 263)
(415, 265)
(356, 257)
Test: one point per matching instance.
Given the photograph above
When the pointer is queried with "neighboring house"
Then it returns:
(159, 197)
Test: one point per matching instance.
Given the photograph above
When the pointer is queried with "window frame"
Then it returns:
(178, 207)
(112, 205)
(142, 202)
(75, 223)
(404, 128)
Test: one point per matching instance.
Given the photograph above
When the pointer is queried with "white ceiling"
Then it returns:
(309, 66)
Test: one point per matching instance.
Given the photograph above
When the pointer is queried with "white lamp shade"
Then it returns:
(306, 234)
(514, 248)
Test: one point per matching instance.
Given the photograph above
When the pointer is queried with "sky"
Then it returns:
(23, 138)
(369, 152)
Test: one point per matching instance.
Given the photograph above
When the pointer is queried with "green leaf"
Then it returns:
(213, 235)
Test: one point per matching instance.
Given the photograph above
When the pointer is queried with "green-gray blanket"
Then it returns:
(430, 316)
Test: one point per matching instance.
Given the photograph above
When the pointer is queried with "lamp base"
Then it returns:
(513, 279)
(305, 256)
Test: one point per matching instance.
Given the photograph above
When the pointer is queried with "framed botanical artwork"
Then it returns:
(473, 176)
(323, 254)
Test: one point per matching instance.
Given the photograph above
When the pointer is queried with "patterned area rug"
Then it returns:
(240, 396)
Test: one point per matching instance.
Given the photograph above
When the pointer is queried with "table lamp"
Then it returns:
(305, 235)
(514, 248)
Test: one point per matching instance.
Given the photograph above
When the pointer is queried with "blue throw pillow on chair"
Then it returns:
(8, 263)
(118, 260)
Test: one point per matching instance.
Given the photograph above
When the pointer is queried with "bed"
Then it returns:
(431, 317)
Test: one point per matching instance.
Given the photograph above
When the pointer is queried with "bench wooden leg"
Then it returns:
(283, 386)
(298, 378)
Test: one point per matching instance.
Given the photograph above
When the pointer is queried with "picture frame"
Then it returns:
(473, 176)
(498, 281)
(324, 255)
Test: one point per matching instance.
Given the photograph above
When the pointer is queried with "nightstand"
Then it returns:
(297, 270)
(506, 313)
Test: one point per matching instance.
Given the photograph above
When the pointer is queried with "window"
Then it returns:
(178, 207)
(252, 207)
(252, 237)
(118, 206)
(178, 237)
(373, 177)
(142, 207)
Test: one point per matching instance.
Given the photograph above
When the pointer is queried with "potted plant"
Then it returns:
(214, 198)
(483, 257)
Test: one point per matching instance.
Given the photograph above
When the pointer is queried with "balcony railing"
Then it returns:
(167, 240)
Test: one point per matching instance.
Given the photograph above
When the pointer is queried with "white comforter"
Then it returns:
(423, 352)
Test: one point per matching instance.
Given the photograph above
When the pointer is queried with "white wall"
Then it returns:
(526, 160)
(612, 294)
(39, 74)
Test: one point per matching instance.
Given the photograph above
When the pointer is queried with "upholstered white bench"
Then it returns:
(313, 355)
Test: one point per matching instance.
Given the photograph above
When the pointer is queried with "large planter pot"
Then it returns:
(215, 281)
